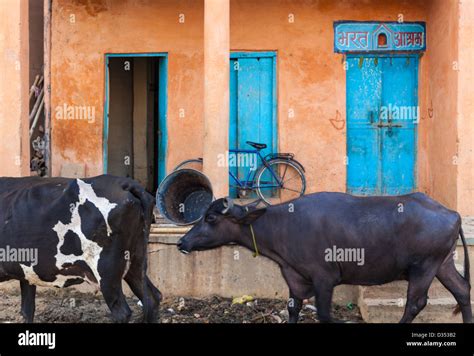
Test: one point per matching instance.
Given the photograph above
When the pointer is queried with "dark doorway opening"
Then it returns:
(134, 134)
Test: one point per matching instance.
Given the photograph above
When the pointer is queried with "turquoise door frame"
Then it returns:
(253, 104)
(162, 109)
(381, 146)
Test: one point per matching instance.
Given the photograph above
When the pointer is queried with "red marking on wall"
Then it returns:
(338, 122)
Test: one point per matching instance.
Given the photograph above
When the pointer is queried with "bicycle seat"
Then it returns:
(258, 146)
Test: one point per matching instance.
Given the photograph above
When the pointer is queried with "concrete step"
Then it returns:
(169, 229)
(468, 227)
(397, 290)
(437, 311)
(165, 239)
(167, 233)
(386, 304)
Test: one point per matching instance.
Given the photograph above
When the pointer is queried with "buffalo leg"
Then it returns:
(323, 295)
(299, 289)
(294, 308)
(458, 286)
(28, 294)
(142, 287)
(419, 282)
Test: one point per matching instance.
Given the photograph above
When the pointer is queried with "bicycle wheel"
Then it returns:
(195, 163)
(291, 177)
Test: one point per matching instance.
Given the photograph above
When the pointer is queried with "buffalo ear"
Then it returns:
(251, 216)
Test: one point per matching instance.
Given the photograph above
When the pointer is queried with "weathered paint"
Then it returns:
(253, 115)
(364, 97)
(400, 117)
(216, 92)
(310, 76)
(350, 36)
(311, 98)
(465, 177)
(253, 105)
(162, 117)
(71, 83)
(382, 111)
(440, 113)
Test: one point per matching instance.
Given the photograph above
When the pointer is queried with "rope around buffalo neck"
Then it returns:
(255, 254)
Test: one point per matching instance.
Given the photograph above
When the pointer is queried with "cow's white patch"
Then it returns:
(86, 192)
(34, 279)
(90, 249)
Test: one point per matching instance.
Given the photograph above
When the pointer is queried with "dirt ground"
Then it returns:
(69, 306)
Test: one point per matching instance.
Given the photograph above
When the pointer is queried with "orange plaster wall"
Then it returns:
(14, 88)
(441, 115)
(466, 110)
(310, 76)
(122, 26)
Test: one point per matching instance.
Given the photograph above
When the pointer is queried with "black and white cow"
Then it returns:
(60, 232)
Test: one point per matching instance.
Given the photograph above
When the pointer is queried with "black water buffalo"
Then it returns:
(326, 239)
(59, 232)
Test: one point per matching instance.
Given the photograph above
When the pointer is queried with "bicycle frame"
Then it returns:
(247, 183)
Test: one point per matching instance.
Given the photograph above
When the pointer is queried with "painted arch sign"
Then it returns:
(352, 36)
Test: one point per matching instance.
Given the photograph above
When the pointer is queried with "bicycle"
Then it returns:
(280, 177)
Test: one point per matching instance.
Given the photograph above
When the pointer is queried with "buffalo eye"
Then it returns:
(211, 218)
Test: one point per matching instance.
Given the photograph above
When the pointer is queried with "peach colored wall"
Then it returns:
(216, 92)
(466, 110)
(123, 26)
(311, 78)
(14, 88)
(442, 42)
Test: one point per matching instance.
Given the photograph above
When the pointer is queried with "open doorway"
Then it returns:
(135, 118)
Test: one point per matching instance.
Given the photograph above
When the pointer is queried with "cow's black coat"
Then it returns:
(31, 207)
(408, 237)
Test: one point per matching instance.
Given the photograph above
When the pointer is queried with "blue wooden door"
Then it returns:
(382, 115)
(252, 105)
